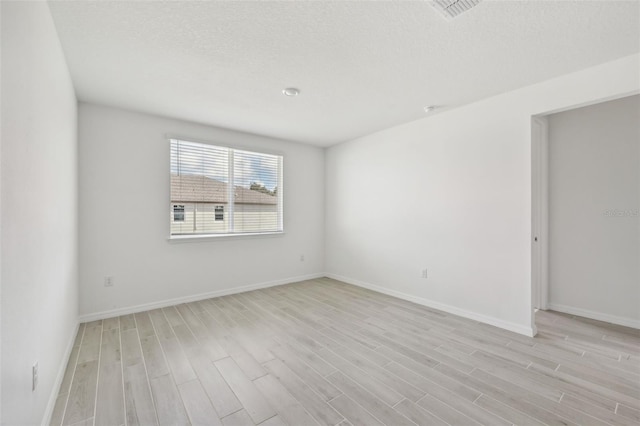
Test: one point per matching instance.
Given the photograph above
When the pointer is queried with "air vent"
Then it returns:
(452, 8)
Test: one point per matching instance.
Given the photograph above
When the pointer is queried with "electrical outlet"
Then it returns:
(424, 273)
(302, 258)
(108, 281)
(34, 377)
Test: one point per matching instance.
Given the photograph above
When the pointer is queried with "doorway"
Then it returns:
(585, 221)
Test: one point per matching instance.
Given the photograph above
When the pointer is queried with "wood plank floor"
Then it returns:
(322, 352)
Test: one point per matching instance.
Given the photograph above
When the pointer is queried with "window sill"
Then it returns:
(221, 237)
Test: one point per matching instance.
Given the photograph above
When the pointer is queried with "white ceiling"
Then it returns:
(361, 66)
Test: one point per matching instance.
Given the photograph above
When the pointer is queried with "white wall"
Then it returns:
(124, 220)
(0, 221)
(594, 227)
(39, 210)
(1, 135)
(452, 193)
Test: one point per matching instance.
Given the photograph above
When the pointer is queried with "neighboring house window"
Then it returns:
(227, 191)
(178, 213)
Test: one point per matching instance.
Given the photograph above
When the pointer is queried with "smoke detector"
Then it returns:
(291, 91)
(452, 8)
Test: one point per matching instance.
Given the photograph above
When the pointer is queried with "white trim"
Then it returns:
(213, 237)
(280, 193)
(497, 322)
(193, 298)
(48, 412)
(539, 213)
(600, 316)
(231, 193)
(591, 102)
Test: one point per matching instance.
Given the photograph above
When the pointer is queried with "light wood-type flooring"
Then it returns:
(322, 352)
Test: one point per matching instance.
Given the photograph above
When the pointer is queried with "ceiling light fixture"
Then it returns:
(291, 91)
(429, 108)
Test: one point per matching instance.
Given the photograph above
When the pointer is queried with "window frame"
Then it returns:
(178, 207)
(216, 213)
(229, 211)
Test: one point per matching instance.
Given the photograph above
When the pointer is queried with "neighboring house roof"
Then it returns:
(201, 189)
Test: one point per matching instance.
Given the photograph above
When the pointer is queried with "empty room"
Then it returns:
(320, 213)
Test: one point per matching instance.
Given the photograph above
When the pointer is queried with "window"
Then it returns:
(178, 213)
(219, 211)
(223, 191)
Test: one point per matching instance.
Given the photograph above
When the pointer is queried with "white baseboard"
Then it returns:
(193, 298)
(497, 322)
(48, 412)
(613, 319)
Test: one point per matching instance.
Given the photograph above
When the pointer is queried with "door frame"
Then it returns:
(539, 213)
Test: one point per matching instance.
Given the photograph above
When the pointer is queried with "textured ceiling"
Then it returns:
(361, 66)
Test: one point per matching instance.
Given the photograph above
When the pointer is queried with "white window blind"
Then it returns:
(217, 190)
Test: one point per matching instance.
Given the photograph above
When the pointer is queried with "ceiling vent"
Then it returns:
(452, 8)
